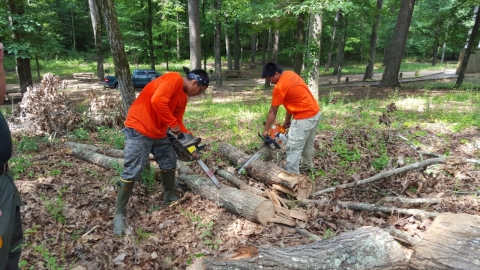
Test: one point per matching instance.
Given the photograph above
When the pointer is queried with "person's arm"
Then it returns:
(288, 120)
(272, 114)
(3, 81)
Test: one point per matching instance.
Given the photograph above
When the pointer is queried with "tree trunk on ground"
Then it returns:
(451, 242)
(296, 185)
(85, 153)
(246, 204)
(194, 34)
(373, 44)
(365, 248)
(315, 41)
(97, 35)
(472, 40)
(397, 46)
(299, 40)
(217, 47)
(122, 68)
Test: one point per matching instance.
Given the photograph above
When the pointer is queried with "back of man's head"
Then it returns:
(269, 70)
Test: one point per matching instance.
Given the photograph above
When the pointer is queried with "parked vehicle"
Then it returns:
(140, 78)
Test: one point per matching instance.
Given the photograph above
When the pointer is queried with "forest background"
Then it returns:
(68, 203)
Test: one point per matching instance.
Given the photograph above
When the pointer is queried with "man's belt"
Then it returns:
(3, 168)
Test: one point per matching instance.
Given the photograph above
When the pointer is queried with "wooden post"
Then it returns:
(346, 79)
(400, 75)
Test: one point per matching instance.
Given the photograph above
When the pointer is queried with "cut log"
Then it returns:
(86, 154)
(451, 242)
(296, 185)
(116, 153)
(239, 183)
(246, 204)
(236, 156)
(365, 248)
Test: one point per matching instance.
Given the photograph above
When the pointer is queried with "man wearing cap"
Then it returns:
(159, 107)
(11, 234)
(292, 92)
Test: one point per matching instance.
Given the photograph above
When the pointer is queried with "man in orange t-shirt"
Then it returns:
(292, 92)
(159, 107)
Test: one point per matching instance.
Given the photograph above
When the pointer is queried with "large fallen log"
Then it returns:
(365, 248)
(296, 185)
(86, 153)
(246, 204)
(387, 209)
(451, 242)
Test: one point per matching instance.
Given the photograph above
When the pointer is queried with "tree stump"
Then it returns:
(451, 242)
(365, 248)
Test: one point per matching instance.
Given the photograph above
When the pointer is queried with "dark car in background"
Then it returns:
(140, 78)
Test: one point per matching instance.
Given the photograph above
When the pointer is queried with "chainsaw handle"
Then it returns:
(269, 141)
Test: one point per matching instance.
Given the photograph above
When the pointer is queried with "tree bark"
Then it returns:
(253, 50)
(373, 44)
(24, 71)
(237, 48)
(397, 46)
(472, 40)
(122, 67)
(365, 248)
(341, 39)
(332, 42)
(237, 201)
(386, 209)
(299, 40)
(194, 34)
(270, 174)
(276, 41)
(149, 29)
(451, 242)
(97, 35)
(217, 46)
(228, 51)
(315, 41)
(86, 153)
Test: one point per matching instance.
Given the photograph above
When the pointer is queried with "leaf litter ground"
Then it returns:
(67, 217)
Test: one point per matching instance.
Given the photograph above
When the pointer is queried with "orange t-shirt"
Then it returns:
(160, 105)
(293, 93)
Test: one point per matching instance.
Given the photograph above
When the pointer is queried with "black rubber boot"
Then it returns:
(168, 183)
(123, 194)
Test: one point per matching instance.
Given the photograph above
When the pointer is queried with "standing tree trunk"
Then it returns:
(397, 46)
(315, 39)
(236, 60)
(264, 46)
(122, 68)
(472, 40)
(150, 33)
(332, 42)
(300, 40)
(228, 50)
(435, 46)
(276, 41)
(97, 35)
(177, 25)
(17, 10)
(194, 34)
(217, 46)
(373, 44)
(253, 50)
(341, 39)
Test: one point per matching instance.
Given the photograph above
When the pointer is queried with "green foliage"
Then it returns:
(55, 207)
(51, 261)
(28, 144)
(148, 177)
(19, 165)
(112, 137)
(81, 134)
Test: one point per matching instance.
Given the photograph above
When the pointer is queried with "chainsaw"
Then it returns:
(275, 139)
(188, 149)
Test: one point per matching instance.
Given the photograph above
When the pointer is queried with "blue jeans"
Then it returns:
(137, 150)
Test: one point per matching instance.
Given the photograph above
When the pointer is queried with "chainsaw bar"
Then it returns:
(186, 154)
(252, 158)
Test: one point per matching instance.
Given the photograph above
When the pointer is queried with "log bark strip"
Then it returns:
(385, 209)
(235, 155)
(377, 177)
(239, 183)
(240, 202)
(365, 248)
(93, 157)
(451, 242)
